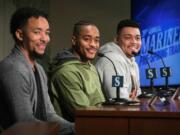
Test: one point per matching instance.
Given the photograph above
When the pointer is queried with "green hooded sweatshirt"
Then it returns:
(74, 84)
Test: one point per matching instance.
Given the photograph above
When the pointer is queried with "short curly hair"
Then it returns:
(126, 23)
(20, 18)
(79, 25)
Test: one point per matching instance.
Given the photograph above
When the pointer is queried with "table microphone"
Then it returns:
(117, 81)
(165, 71)
(150, 73)
(102, 55)
(153, 53)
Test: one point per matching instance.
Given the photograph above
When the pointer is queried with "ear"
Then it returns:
(73, 40)
(19, 34)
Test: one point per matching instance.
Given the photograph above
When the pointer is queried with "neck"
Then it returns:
(29, 59)
(81, 58)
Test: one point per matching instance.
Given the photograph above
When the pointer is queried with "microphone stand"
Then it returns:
(143, 95)
(166, 77)
(152, 92)
(167, 91)
(151, 79)
(119, 100)
(116, 100)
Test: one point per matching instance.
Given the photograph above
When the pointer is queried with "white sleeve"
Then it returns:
(106, 70)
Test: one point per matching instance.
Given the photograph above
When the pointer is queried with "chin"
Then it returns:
(91, 56)
(38, 55)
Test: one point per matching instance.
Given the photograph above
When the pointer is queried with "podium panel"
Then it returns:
(143, 119)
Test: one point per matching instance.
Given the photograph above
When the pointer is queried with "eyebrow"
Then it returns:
(38, 28)
(131, 34)
(90, 36)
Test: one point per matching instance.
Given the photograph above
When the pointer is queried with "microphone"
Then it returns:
(153, 53)
(150, 73)
(102, 55)
(164, 71)
(117, 81)
(136, 53)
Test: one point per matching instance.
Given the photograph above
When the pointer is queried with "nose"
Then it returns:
(134, 40)
(94, 43)
(45, 37)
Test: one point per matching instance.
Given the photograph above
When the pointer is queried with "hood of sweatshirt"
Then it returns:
(63, 58)
(111, 49)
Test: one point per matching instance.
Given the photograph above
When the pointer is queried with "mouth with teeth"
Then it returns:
(92, 50)
(134, 49)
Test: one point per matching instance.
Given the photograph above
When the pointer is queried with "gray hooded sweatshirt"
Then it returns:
(124, 66)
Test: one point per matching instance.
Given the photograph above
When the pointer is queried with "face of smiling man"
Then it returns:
(86, 43)
(34, 37)
(129, 39)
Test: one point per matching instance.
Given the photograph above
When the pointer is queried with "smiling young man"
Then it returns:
(74, 80)
(23, 83)
(121, 53)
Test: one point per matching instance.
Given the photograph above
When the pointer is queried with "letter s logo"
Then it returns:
(165, 71)
(117, 81)
(151, 73)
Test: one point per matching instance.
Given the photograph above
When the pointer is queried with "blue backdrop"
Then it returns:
(160, 30)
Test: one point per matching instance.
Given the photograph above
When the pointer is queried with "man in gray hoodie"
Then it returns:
(117, 58)
(23, 83)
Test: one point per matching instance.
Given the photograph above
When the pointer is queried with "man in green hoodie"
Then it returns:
(74, 80)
